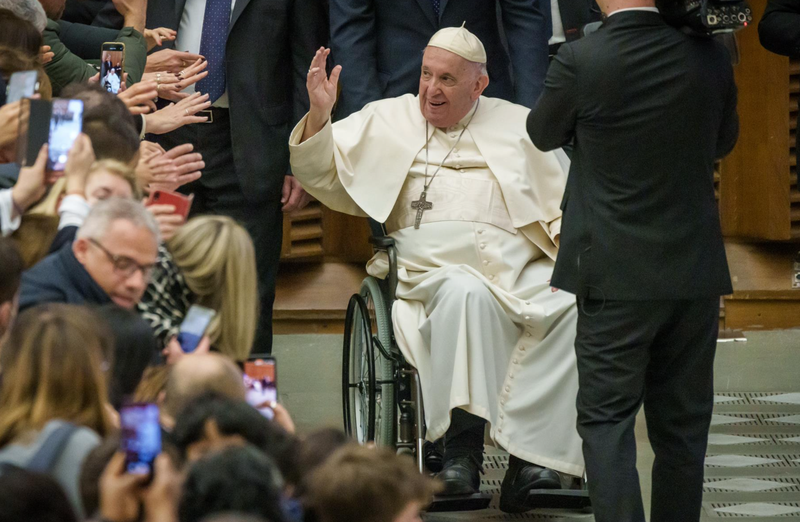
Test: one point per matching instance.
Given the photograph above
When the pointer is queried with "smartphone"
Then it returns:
(194, 326)
(140, 437)
(66, 122)
(261, 383)
(181, 202)
(112, 64)
(22, 84)
(34, 129)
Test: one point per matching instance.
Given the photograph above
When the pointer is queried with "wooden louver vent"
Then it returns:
(794, 190)
(302, 233)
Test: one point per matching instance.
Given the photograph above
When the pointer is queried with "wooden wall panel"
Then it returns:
(755, 178)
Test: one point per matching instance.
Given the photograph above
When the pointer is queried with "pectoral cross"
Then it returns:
(421, 205)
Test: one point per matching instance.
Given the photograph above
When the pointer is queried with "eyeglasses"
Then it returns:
(124, 265)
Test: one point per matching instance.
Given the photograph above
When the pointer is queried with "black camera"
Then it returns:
(706, 17)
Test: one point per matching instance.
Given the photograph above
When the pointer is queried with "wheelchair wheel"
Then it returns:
(368, 375)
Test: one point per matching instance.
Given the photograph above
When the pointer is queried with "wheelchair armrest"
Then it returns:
(382, 242)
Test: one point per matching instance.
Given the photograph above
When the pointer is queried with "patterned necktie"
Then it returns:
(212, 46)
(436, 6)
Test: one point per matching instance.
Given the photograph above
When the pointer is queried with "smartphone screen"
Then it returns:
(140, 437)
(22, 84)
(111, 66)
(261, 384)
(66, 122)
(194, 326)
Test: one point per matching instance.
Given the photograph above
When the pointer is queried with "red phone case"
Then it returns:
(181, 202)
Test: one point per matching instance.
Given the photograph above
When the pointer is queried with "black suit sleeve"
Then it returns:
(354, 47)
(551, 123)
(779, 29)
(85, 40)
(308, 35)
(527, 33)
(729, 130)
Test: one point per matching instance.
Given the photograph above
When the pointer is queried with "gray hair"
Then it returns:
(29, 10)
(104, 213)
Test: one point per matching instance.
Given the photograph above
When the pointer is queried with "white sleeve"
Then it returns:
(8, 223)
(73, 211)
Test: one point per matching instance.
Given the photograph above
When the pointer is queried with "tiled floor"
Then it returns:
(753, 464)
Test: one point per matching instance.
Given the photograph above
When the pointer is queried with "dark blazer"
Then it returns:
(575, 14)
(269, 49)
(650, 109)
(379, 44)
(60, 278)
(779, 29)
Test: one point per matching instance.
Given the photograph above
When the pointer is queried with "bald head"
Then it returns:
(198, 374)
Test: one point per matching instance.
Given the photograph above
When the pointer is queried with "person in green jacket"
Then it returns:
(66, 68)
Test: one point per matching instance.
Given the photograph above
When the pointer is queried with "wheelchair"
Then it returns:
(382, 393)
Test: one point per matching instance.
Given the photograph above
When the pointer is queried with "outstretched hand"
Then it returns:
(321, 91)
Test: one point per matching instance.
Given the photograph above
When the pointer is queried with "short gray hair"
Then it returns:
(29, 10)
(104, 213)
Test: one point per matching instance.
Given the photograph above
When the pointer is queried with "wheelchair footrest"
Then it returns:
(473, 502)
(558, 499)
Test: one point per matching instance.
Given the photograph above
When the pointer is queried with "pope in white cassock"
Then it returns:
(473, 207)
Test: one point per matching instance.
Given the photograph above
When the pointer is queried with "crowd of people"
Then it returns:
(97, 275)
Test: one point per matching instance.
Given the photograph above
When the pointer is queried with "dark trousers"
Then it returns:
(656, 353)
(219, 192)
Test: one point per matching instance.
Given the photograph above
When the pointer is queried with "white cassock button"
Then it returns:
(458, 166)
(485, 262)
(499, 430)
(508, 388)
(527, 317)
(522, 348)
(527, 302)
(528, 334)
(461, 171)
(483, 245)
(491, 277)
(502, 415)
(515, 361)
(480, 231)
(454, 135)
(511, 377)
(502, 401)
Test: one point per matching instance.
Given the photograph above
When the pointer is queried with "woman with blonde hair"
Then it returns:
(52, 367)
(209, 262)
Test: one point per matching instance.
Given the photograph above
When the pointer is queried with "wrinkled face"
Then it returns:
(103, 185)
(449, 86)
(120, 261)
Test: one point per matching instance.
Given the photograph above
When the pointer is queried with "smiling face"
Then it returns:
(449, 86)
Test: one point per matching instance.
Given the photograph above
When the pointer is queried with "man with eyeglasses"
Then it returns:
(110, 260)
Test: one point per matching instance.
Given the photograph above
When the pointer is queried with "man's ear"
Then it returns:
(80, 248)
(481, 85)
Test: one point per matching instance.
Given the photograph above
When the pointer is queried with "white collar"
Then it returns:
(650, 9)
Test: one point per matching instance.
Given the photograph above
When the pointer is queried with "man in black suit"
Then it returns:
(568, 18)
(650, 109)
(258, 53)
(379, 44)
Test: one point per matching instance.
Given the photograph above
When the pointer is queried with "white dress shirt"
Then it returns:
(9, 221)
(190, 32)
(651, 9)
(558, 26)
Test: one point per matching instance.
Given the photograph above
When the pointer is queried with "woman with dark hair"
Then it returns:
(29, 496)
(134, 348)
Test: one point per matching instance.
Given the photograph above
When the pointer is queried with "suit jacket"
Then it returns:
(779, 29)
(60, 278)
(379, 44)
(575, 14)
(650, 110)
(270, 46)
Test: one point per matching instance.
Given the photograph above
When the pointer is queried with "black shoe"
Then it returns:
(434, 455)
(460, 476)
(520, 479)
